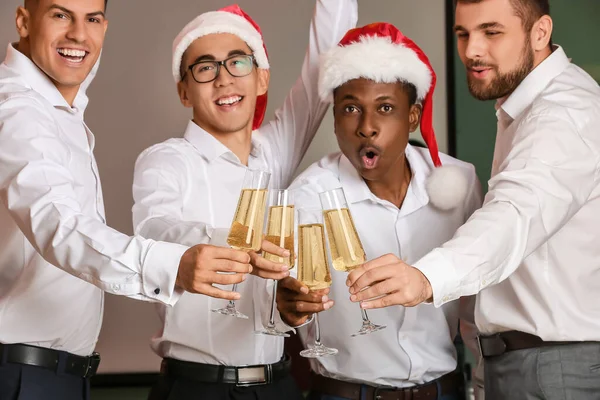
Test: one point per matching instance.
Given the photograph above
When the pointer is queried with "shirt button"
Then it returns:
(116, 287)
(484, 282)
(446, 298)
(157, 291)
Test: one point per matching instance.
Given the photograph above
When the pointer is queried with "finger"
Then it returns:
(223, 265)
(375, 263)
(386, 301)
(294, 285)
(226, 279)
(217, 293)
(267, 265)
(270, 275)
(373, 275)
(274, 249)
(383, 288)
(302, 307)
(231, 254)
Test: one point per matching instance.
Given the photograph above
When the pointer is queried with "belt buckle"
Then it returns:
(254, 376)
(92, 364)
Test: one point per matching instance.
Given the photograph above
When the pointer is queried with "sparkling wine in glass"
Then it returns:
(313, 268)
(280, 232)
(246, 231)
(347, 251)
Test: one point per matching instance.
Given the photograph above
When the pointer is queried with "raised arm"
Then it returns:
(297, 120)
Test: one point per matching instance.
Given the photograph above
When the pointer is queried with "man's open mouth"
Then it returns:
(369, 157)
(228, 101)
(72, 55)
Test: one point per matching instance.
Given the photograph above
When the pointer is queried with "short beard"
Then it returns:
(504, 83)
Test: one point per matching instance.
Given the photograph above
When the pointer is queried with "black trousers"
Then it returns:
(26, 382)
(169, 388)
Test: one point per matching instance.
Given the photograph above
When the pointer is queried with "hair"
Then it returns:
(529, 11)
(27, 4)
(411, 91)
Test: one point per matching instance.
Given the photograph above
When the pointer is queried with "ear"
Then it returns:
(414, 117)
(23, 20)
(264, 75)
(541, 33)
(183, 95)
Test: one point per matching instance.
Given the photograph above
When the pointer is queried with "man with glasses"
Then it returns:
(186, 190)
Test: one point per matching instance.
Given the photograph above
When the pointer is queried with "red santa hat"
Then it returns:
(380, 52)
(231, 19)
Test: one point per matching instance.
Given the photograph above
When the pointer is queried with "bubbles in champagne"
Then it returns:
(313, 268)
(247, 226)
(280, 232)
(347, 251)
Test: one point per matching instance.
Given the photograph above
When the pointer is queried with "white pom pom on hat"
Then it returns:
(380, 52)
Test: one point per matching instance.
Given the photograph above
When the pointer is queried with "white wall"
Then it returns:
(134, 105)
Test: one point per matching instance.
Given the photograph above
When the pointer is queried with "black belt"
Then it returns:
(240, 376)
(84, 367)
(500, 343)
(452, 383)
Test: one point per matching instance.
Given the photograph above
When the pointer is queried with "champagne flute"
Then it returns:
(313, 268)
(347, 251)
(280, 232)
(247, 225)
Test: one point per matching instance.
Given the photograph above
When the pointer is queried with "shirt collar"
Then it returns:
(356, 189)
(39, 82)
(210, 148)
(535, 83)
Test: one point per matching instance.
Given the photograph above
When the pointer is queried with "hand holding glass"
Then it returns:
(280, 232)
(246, 230)
(313, 268)
(347, 250)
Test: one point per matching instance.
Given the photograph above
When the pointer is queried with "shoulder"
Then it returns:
(167, 154)
(318, 177)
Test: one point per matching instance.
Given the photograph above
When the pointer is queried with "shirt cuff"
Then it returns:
(440, 273)
(159, 272)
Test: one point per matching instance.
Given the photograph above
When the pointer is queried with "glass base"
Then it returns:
(231, 311)
(318, 351)
(368, 327)
(272, 331)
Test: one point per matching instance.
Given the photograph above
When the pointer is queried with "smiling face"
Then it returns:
(227, 104)
(494, 46)
(372, 125)
(63, 38)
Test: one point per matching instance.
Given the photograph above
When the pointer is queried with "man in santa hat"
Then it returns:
(186, 191)
(382, 88)
(531, 252)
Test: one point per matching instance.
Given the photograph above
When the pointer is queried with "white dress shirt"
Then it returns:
(532, 250)
(186, 191)
(417, 345)
(56, 253)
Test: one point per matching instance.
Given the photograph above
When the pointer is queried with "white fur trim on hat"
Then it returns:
(375, 58)
(218, 22)
(447, 187)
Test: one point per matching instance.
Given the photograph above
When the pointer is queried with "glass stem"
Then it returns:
(365, 318)
(233, 289)
(272, 316)
(318, 331)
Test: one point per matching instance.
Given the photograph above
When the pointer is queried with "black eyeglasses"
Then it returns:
(207, 71)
